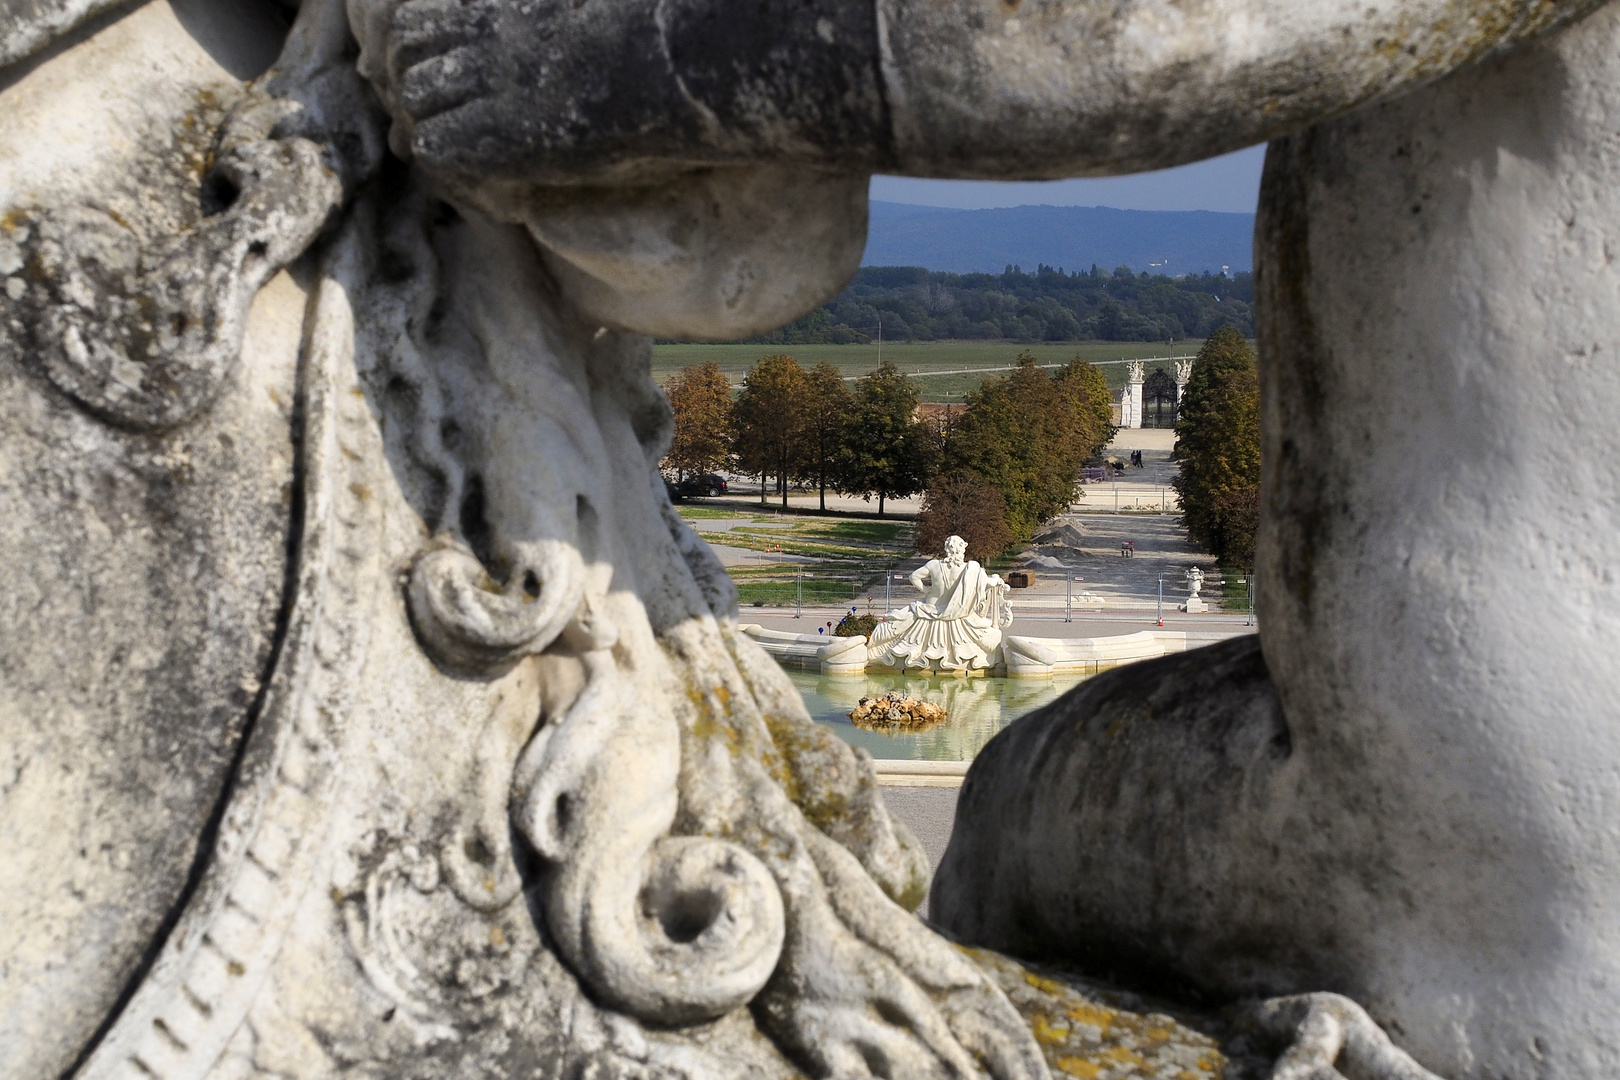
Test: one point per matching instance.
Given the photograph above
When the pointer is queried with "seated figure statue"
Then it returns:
(957, 624)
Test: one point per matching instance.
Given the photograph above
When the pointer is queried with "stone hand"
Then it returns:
(1322, 1031)
(865, 990)
(558, 93)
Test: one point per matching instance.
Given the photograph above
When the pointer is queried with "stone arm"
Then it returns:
(630, 91)
(920, 578)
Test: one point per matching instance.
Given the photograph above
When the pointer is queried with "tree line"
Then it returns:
(794, 426)
(914, 304)
(991, 471)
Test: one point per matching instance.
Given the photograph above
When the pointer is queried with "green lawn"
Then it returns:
(872, 532)
(920, 358)
(784, 593)
(1234, 594)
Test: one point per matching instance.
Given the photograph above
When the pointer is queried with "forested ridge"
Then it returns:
(1050, 304)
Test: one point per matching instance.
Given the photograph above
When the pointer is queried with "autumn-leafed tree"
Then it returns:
(966, 507)
(770, 421)
(888, 450)
(700, 397)
(1027, 436)
(1218, 446)
(827, 415)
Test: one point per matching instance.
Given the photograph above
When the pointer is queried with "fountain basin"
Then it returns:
(1021, 657)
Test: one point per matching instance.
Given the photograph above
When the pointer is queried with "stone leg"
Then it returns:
(1413, 808)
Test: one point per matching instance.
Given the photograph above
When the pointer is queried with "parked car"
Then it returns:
(710, 484)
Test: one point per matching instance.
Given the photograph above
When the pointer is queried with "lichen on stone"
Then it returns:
(1093, 1032)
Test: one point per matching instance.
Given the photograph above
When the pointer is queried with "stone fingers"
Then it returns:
(1325, 1030)
(989, 1027)
(443, 83)
(424, 28)
(430, 57)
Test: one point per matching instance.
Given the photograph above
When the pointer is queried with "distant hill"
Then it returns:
(1073, 237)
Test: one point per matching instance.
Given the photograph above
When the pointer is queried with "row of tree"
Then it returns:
(913, 304)
(796, 427)
(991, 471)
(1218, 447)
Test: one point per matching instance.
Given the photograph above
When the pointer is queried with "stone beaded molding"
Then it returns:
(274, 834)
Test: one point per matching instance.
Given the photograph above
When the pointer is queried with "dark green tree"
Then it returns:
(827, 411)
(888, 450)
(1090, 418)
(1218, 446)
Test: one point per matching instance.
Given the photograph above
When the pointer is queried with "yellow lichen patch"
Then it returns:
(1047, 1032)
(711, 723)
(1126, 1056)
(1095, 1015)
(784, 734)
(1083, 1033)
(1044, 985)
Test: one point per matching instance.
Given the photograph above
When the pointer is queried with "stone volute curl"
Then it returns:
(368, 711)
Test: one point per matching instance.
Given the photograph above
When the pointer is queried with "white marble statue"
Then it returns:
(957, 624)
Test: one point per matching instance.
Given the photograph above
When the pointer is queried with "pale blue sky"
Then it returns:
(1229, 183)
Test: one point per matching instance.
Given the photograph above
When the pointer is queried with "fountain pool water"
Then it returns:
(977, 708)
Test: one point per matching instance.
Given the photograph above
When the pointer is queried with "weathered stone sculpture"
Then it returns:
(1409, 797)
(514, 794)
(366, 710)
(955, 627)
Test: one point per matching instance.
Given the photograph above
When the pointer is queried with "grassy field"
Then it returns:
(918, 359)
